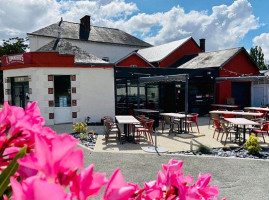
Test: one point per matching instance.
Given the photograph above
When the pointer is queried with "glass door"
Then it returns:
(62, 99)
(20, 91)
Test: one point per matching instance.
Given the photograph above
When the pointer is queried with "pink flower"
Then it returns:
(54, 161)
(204, 189)
(117, 189)
(153, 191)
(87, 184)
(36, 189)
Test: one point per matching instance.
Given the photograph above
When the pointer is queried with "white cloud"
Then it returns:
(263, 41)
(223, 28)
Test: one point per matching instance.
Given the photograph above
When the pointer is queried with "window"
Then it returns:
(133, 66)
(62, 91)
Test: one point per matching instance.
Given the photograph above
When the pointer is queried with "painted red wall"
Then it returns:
(240, 65)
(189, 47)
(133, 60)
(42, 59)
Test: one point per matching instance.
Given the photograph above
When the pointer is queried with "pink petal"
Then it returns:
(116, 188)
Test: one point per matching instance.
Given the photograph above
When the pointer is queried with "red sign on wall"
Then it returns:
(16, 59)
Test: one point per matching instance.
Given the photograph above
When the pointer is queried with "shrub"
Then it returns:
(80, 127)
(83, 136)
(203, 149)
(252, 145)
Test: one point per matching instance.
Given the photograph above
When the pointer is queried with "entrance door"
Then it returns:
(241, 93)
(62, 99)
(258, 96)
(20, 93)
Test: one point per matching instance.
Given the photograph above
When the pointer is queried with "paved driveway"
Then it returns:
(238, 179)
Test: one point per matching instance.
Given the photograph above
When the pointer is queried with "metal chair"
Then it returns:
(264, 129)
(147, 130)
(111, 128)
(228, 131)
(213, 115)
(218, 127)
(167, 120)
(191, 120)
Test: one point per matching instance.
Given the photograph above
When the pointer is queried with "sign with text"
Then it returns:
(15, 59)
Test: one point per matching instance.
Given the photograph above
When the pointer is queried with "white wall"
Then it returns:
(37, 42)
(113, 52)
(94, 90)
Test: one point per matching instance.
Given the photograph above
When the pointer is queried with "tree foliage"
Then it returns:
(13, 46)
(258, 56)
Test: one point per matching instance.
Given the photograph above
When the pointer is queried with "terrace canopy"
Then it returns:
(167, 78)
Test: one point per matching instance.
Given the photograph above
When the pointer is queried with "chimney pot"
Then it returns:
(202, 44)
(86, 22)
(85, 27)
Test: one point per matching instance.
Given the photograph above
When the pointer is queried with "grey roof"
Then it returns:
(70, 30)
(157, 53)
(211, 59)
(65, 47)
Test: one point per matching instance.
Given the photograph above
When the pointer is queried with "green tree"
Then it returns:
(13, 46)
(258, 56)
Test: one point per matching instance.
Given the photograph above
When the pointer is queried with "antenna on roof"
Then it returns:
(60, 22)
(59, 34)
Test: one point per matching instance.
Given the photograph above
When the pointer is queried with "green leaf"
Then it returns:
(10, 171)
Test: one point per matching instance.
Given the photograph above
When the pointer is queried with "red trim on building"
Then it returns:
(133, 59)
(43, 59)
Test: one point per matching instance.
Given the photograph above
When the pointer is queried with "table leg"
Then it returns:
(244, 133)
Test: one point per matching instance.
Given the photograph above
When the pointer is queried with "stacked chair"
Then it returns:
(111, 127)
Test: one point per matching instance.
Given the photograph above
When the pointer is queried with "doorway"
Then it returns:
(62, 99)
(168, 97)
(241, 93)
(20, 91)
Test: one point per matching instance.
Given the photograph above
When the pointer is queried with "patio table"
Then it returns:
(127, 120)
(225, 106)
(178, 116)
(236, 113)
(241, 121)
(146, 110)
(257, 108)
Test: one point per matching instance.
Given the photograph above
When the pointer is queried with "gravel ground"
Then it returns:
(89, 142)
(239, 152)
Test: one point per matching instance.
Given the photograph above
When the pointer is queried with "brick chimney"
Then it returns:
(86, 22)
(85, 27)
(202, 44)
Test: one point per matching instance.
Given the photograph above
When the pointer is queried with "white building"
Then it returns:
(107, 43)
(68, 83)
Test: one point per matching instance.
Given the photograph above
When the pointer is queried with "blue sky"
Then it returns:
(260, 10)
(223, 23)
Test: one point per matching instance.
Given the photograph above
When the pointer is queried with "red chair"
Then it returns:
(192, 119)
(147, 130)
(264, 129)
(218, 127)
